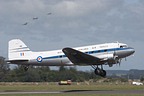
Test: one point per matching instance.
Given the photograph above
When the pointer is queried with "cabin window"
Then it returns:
(92, 51)
(86, 52)
(60, 56)
(105, 50)
(123, 46)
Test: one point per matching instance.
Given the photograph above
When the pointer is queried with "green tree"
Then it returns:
(142, 79)
(4, 69)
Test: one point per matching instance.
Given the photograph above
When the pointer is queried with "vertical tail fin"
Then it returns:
(17, 50)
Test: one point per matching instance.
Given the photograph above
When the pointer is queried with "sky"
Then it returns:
(74, 23)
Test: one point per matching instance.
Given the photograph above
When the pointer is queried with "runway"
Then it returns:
(77, 92)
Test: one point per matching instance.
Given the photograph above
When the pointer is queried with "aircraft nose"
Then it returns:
(131, 51)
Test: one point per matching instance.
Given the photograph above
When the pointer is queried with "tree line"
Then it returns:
(43, 74)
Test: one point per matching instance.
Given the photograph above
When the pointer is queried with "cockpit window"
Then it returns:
(123, 46)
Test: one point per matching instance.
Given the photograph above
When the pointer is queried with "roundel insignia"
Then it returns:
(39, 59)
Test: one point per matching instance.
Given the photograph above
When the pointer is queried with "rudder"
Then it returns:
(17, 50)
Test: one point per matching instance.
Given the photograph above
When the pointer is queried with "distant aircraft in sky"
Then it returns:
(49, 13)
(25, 23)
(34, 18)
(94, 55)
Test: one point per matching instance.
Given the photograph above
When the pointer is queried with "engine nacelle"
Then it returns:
(113, 60)
(110, 58)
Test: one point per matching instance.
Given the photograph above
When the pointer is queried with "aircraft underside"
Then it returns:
(65, 62)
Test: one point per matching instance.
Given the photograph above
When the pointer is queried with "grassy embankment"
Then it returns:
(11, 87)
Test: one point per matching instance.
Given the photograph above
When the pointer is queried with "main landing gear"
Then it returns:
(99, 71)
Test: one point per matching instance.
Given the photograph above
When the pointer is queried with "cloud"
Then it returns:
(23, 6)
(83, 7)
(72, 22)
(91, 17)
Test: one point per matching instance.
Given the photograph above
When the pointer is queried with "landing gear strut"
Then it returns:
(99, 71)
(25, 67)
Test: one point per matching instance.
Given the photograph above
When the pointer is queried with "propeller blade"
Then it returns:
(119, 61)
(125, 59)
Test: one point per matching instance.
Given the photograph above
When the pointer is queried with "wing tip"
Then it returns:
(65, 50)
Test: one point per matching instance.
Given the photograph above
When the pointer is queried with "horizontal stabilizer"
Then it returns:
(16, 61)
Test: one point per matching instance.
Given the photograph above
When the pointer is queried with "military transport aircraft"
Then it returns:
(94, 55)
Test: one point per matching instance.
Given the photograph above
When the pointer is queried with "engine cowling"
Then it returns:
(110, 58)
(113, 60)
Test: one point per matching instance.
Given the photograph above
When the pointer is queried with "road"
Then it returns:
(77, 91)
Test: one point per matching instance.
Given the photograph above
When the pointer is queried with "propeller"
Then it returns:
(120, 61)
(125, 59)
(117, 60)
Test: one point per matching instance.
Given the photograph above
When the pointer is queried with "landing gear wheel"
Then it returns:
(100, 72)
(97, 71)
(103, 73)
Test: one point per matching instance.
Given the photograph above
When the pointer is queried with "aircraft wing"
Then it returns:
(80, 58)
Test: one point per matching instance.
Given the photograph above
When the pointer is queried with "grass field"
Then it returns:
(12, 87)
